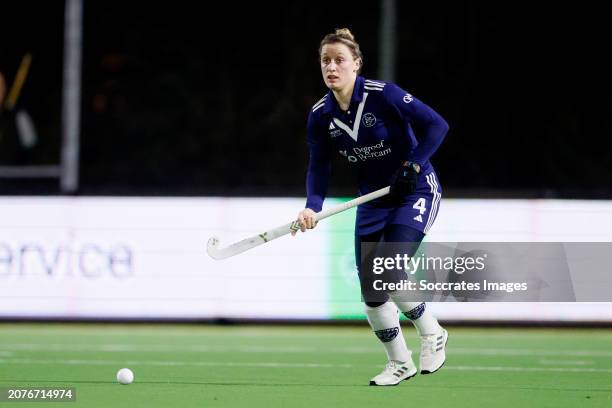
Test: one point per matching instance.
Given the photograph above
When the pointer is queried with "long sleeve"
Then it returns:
(319, 165)
(432, 127)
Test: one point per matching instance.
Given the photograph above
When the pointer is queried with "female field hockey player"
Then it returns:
(372, 125)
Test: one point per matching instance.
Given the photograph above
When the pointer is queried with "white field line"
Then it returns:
(565, 362)
(160, 333)
(528, 352)
(27, 361)
(264, 332)
(162, 348)
(538, 369)
(173, 363)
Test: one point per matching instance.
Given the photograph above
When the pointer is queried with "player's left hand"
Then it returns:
(404, 180)
(307, 220)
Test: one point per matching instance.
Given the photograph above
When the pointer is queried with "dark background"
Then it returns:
(183, 100)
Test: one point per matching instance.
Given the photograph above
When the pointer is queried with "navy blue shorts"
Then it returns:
(417, 211)
(389, 241)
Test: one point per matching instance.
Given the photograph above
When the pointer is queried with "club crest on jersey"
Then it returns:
(408, 98)
(368, 120)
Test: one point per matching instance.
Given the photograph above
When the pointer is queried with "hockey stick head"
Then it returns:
(212, 248)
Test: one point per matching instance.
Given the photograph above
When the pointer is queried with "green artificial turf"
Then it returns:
(302, 366)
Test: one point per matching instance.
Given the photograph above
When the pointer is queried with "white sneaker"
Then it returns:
(433, 352)
(394, 373)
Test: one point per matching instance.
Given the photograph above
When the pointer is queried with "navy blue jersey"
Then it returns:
(383, 126)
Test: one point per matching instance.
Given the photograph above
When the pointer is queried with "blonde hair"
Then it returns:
(344, 36)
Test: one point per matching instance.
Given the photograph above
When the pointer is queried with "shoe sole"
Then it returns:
(372, 383)
(425, 372)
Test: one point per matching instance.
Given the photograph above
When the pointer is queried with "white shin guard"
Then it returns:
(384, 321)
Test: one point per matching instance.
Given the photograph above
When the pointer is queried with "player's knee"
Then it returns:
(374, 304)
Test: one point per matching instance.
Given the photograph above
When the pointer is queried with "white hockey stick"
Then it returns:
(241, 246)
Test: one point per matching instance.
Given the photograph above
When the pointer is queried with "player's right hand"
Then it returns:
(404, 180)
(306, 218)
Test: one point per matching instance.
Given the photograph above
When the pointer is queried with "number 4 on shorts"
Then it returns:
(419, 205)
